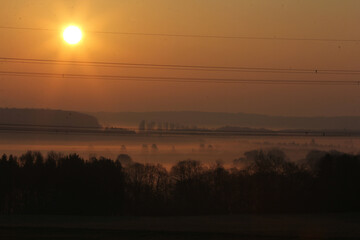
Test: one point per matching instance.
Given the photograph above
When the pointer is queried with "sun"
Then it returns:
(72, 35)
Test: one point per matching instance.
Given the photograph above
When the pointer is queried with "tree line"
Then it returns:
(165, 126)
(261, 182)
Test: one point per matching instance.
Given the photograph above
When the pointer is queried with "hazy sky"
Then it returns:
(254, 18)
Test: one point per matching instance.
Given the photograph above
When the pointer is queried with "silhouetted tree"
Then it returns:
(142, 125)
(261, 182)
(125, 160)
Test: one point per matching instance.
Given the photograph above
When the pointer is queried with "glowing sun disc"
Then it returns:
(72, 35)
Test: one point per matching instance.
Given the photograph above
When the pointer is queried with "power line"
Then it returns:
(181, 67)
(193, 35)
(178, 79)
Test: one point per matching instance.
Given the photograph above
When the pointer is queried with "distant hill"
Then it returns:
(45, 117)
(218, 119)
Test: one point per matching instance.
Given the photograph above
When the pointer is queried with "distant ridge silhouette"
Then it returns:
(220, 119)
(46, 117)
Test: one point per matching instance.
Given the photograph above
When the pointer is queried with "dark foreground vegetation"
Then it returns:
(339, 226)
(261, 182)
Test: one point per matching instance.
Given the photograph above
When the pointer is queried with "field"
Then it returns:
(314, 227)
(169, 149)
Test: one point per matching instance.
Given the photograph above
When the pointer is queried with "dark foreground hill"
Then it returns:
(45, 117)
(230, 227)
(218, 119)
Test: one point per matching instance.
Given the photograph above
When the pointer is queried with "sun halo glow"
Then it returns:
(72, 35)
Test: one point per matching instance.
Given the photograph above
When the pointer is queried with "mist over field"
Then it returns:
(163, 139)
(168, 150)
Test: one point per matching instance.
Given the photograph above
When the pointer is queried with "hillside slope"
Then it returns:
(45, 117)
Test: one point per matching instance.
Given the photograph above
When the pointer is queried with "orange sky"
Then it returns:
(257, 18)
